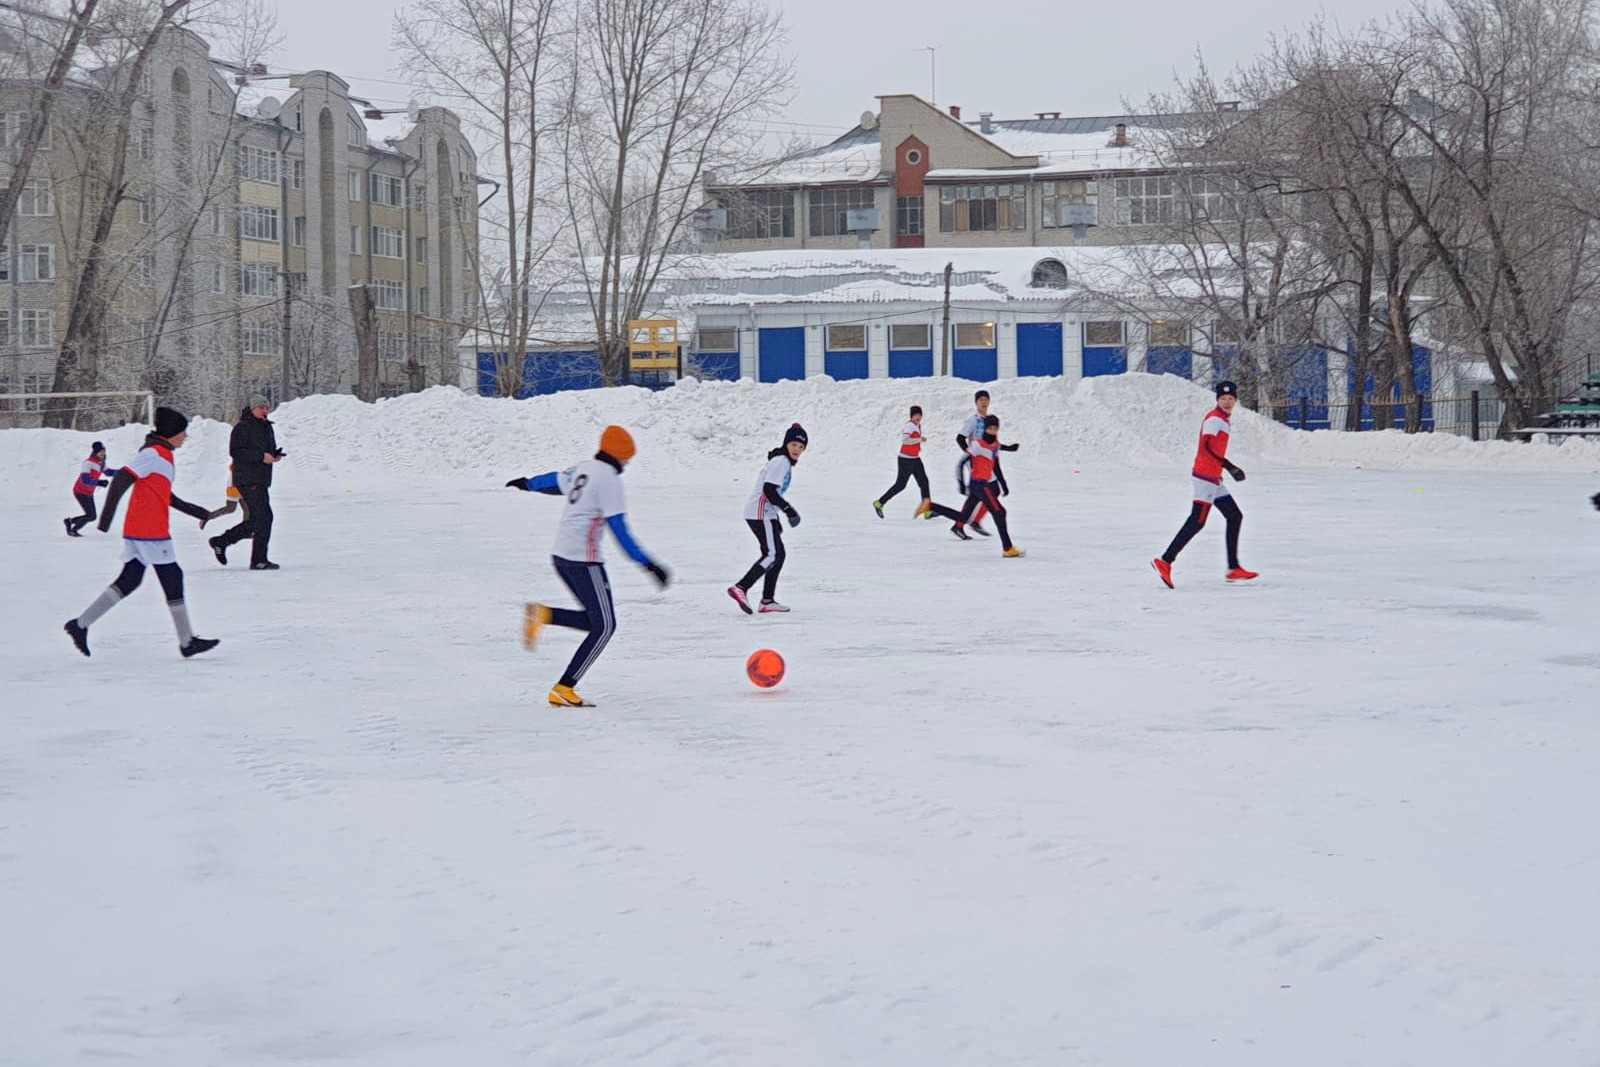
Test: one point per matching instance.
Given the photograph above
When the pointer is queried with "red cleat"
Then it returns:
(1239, 574)
(1164, 569)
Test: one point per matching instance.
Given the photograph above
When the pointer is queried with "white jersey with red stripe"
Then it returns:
(151, 500)
(88, 477)
(1213, 448)
(777, 472)
(593, 490)
(911, 441)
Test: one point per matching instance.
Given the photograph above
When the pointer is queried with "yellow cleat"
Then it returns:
(1013, 552)
(924, 508)
(534, 618)
(564, 696)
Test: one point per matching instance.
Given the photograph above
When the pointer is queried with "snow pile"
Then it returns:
(1135, 420)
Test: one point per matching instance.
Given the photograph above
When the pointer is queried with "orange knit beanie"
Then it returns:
(617, 443)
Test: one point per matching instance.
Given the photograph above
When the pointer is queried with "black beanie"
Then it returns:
(796, 433)
(96, 448)
(170, 423)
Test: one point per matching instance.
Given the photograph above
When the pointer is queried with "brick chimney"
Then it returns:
(1120, 139)
(955, 111)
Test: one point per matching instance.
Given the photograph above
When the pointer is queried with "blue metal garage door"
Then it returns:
(1038, 350)
(782, 354)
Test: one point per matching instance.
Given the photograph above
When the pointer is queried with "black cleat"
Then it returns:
(198, 645)
(219, 549)
(956, 529)
(79, 635)
(71, 532)
(264, 565)
(978, 529)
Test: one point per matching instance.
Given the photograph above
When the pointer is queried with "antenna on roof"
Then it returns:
(933, 72)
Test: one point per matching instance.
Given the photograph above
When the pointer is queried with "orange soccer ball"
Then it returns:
(765, 668)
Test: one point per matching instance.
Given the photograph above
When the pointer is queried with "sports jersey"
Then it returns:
(777, 472)
(1213, 432)
(911, 440)
(973, 427)
(985, 455)
(148, 510)
(88, 477)
(593, 490)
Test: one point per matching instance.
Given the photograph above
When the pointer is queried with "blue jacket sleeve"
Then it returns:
(545, 483)
(619, 530)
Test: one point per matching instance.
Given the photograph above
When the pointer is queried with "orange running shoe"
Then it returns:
(1239, 574)
(1164, 569)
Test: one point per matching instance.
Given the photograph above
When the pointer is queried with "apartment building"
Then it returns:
(936, 179)
(253, 201)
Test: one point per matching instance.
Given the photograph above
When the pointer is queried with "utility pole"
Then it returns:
(944, 342)
(288, 333)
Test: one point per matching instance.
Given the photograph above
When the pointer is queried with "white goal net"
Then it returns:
(76, 411)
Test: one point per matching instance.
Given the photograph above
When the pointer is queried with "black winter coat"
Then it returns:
(251, 440)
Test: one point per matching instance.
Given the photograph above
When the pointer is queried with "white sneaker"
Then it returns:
(771, 605)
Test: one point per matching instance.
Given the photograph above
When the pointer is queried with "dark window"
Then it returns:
(759, 214)
(1049, 274)
(829, 208)
(908, 216)
(973, 208)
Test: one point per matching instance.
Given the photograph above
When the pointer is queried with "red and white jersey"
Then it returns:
(151, 500)
(985, 454)
(1213, 433)
(777, 472)
(593, 490)
(88, 477)
(911, 440)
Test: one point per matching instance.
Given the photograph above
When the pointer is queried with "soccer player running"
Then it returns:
(986, 485)
(761, 513)
(147, 534)
(972, 428)
(1209, 463)
(92, 475)
(910, 466)
(593, 490)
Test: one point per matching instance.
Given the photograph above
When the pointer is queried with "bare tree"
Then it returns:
(500, 57)
(659, 91)
(62, 46)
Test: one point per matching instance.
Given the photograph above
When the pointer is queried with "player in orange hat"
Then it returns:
(593, 489)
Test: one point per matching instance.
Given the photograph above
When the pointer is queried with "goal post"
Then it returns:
(92, 412)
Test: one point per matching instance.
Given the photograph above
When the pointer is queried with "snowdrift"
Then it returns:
(1135, 420)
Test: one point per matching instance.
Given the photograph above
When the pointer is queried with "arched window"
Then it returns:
(1049, 274)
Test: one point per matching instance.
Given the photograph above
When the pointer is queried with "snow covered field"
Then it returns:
(1040, 812)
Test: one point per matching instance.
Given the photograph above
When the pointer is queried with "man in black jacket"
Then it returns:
(254, 448)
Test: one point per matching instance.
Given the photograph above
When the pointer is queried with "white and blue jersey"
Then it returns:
(778, 471)
(593, 490)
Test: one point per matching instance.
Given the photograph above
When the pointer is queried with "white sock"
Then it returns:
(180, 621)
(102, 604)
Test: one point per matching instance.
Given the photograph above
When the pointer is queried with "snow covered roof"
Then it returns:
(1059, 152)
(852, 158)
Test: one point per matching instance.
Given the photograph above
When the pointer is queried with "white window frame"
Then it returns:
(355, 240)
(844, 329)
(29, 204)
(32, 258)
(420, 246)
(1122, 333)
(388, 295)
(218, 226)
(259, 338)
(298, 231)
(355, 185)
(711, 340)
(29, 333)
(146, 265)
(258, 223)
(297, 174)
(258, 279)
(926, 344)
(5, 327)
(5, 263)
(388, 190)
(147, 207)
(388, 243)
(391, 346)
(147, 143)
(356, 135)
(987, 334)
(258, 164)
(422, 300)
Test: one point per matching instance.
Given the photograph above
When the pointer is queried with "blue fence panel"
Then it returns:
(1422, 368)
(1098, 361)
(845, 365)
(545, 372)
(781, 354)
(911, 363)
(975, 364)
(1038, 350)
(1170, 359)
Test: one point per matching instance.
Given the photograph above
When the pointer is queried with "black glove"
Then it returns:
(662, 576)
(794, 518)
(1595, 500)
(280, 453)
(104, 483)
(961, 441)
(1010, 448)
(518, 483)
(1005, 490)
(1235, 473)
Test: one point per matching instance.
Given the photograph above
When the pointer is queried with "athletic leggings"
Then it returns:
(986, 495)
(86, 502)
(590, 585)
(910, 467)
(964, 488)
(769, 534)
(1196, 522)
(170, 575)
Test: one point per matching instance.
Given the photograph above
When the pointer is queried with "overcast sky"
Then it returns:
(1013, 58)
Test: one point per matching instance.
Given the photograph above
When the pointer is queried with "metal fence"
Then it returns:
(1476, 416)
